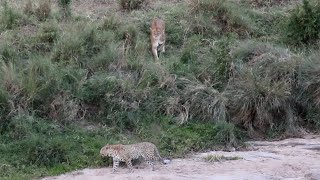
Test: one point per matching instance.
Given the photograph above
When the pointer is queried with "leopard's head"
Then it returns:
(110, 150)
(106, 151)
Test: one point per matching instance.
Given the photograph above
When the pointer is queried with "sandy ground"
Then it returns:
(293, 159)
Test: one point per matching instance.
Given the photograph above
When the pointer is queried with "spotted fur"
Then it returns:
(126, 153)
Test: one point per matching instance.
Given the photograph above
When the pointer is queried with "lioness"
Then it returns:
(157, 37)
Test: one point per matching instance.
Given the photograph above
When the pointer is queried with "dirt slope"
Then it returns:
(293, 159)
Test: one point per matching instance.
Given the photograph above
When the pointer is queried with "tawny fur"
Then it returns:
(157, 36)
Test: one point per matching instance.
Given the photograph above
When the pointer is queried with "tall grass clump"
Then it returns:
(261, 88)
(28, 8)
(68, 48)
(227, 15)
(47, 35)
(65, 7)
(9, 18)
(4, 109)
(192, 100)
(111, 23)
(302, 27)
(43, 10)
(79, 47)
(309, 83)
(131, 4)
(263, 4)
(7, 53)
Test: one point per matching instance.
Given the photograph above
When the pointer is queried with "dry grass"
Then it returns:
(218, 158)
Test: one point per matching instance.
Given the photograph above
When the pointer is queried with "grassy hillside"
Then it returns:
(75, 76)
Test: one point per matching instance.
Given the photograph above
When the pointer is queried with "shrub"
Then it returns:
(303, 24)
(132, 4)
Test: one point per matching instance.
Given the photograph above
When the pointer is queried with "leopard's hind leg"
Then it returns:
(129, 164)
(151, 164)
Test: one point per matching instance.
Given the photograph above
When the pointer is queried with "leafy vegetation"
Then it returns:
(71, 83)
(303, 24)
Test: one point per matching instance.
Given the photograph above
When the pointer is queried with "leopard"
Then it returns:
(157, 36)
(126, 153)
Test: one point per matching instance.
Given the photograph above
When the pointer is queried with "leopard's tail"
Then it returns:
(162, 160)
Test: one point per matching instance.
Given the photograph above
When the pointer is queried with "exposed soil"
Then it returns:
(293, 159)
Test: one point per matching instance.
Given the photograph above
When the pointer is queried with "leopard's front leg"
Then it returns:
(115, 165)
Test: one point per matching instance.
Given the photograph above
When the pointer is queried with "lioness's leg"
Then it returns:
(162, 47)
(154, 51)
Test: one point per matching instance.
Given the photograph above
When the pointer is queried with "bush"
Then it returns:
(132, 4)
(303, 25)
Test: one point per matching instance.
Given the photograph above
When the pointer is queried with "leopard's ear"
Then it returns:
(118, 147)
(105, 147)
